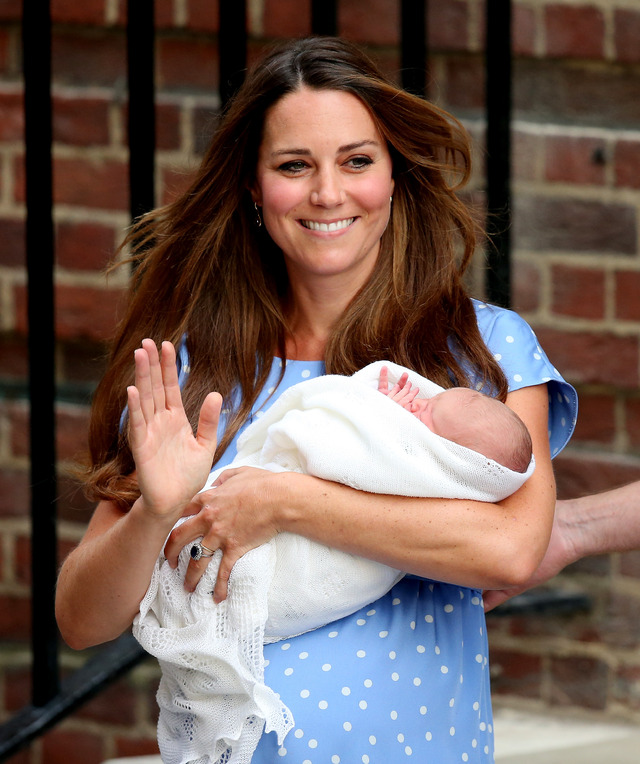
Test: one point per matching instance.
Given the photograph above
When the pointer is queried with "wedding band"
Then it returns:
(199, 550)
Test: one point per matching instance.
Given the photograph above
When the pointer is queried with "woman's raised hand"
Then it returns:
(171, 464)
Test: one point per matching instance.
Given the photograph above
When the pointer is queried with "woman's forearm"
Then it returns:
(103, 580)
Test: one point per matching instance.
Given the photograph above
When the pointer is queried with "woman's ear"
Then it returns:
(256, 194)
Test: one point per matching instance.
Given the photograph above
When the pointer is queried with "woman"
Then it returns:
(322, 233)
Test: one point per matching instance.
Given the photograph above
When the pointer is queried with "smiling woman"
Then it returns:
(333, 276)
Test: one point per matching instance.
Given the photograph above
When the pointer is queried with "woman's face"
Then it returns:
(324, 183)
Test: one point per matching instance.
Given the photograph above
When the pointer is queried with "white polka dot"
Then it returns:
(421, 648)
(509, 339)
(465, 757)
(486, 749)
(428, 618)
(408, 750)
(483, 726)
(428, 736)
(282, 752)
(475, 600)
(371, 612)
(347, 726)
(285, 646)
(517, 377)
(335, 760)
(312, 743)
(368, 683)
(361, 654)
(423, 710)
(306, 373)
(392, 655)
(474, 743)
(365, 759)
(400, 738)
(476, 706)
(498, 356)
(394, 715)
(396, 601)
(332, 634)
(478, 658)
(372, 739)
(346, 691)
(436, 650)
(304, 693)
(444, 670)
(299, 734)
(452, 731)
(323, 705)
(417, 681)
(452, 702)
(288, 671)
(302, 656)
(395, 676)
(363, 704)
(537, 356)
(326, 667)
(383, 634)
(448, 608)
(361, 621)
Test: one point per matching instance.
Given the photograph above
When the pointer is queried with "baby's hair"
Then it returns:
(501, 434)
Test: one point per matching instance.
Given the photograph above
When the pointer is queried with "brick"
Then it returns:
(163, 13)
(81, 121)
(525, 286)
(626, 35)
(558, 92)
(82, 362)
(286, 18)
(627, 164)
(627, 295)
(168, 137)
(575, 160)
(464, 84)
(129, 747)
(88, 58)
(62, 746)
(12, 236)
(11, 116)
(22, 551)
(376, 22)
(578, 292)
(84, 246)
(582, 474)
(88, 12)
(632, 421)
(17, 686)
(621, 621)
(15, 617)
(630, 564)
(203, 15)
(173, 183)
(516, 673)
(625, 687)
(116, 704)
(204, 124)
(13, 356)
(574, 225)
(523, 30)
(592, 358)
(11, 10)
(187, 64)
(71, 431)
(82, 312)
(92, 183)
(526, 150)
(15, 495)
(579, 681)
(574, 32)
(597, 419)
(448, 25)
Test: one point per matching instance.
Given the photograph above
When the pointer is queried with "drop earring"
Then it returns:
(258, 216)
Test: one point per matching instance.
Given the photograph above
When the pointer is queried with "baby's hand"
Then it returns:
(402, 392)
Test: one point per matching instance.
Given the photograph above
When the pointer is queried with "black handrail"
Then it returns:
(53, 700)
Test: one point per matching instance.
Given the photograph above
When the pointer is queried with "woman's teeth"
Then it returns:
(337, 226)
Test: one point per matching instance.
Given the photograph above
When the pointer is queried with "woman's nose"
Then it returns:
(328, 190)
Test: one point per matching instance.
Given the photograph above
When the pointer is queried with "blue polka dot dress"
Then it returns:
(406, 677)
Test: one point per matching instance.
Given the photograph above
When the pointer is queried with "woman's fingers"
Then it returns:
(207, 433)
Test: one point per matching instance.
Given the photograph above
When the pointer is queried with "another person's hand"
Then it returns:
(171, 464)
(559, 554)
(235, 515)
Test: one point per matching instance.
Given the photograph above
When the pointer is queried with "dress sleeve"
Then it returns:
(516, 348)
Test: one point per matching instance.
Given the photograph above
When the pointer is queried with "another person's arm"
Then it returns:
(597, 524)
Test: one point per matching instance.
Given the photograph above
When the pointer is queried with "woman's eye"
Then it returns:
(359, 163)
(293, 167)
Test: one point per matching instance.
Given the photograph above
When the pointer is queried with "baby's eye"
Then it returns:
(359, 163)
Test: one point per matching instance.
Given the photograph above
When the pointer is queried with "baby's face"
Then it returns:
(443, 413)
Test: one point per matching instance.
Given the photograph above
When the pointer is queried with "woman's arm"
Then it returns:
(103, 580)
(598, 524)
(471, 543)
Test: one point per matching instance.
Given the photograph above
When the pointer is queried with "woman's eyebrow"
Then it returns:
(341, 149)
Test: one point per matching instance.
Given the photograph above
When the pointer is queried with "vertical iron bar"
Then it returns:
(498, 105)
(232, 46)
(324, 17)
(414, 50)
(141, 112)
(40, 256)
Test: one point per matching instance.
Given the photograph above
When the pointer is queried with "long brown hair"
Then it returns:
(205, 272)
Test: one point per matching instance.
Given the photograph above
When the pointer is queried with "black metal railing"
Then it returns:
(53, 699)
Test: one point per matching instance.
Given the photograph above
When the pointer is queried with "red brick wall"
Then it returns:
(576, 279)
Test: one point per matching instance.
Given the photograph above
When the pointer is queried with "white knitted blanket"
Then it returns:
(214, 704)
